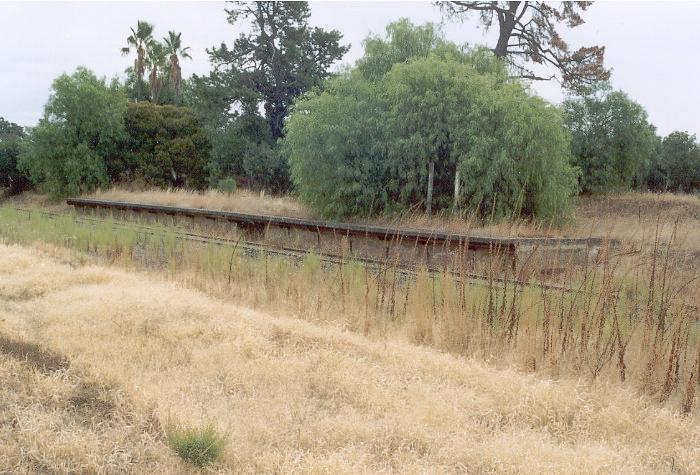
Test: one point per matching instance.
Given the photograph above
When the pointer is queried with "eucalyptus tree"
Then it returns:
(174, 51)
(612, 141)
(138, 42)
(529, 33)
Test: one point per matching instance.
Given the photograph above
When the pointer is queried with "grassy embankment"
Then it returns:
(630, 320)
(289, 395)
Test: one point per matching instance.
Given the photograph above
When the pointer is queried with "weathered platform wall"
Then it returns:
(525, 258)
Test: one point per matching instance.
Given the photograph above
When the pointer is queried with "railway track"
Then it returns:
(257, 249)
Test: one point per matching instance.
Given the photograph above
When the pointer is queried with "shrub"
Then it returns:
(10, 177)
(166, 147)
(68, 151)
(197, 446)
(680, 161)
(612, 141)
(227, 185)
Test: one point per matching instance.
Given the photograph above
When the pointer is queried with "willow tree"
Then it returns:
(70, 150)
(364, 147)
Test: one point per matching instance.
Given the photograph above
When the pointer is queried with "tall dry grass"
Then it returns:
(294, 397)
(627, 319)
(242, 200)
(627, 216)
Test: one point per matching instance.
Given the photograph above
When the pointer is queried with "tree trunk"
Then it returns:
(456, 189)
(429, 200)
(506, 23)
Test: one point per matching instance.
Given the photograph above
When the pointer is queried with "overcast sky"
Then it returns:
(651, 46)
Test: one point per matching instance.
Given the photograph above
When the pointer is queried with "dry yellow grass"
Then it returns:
(54, 419)
(241, 201)
(628, 216)
(295, 397)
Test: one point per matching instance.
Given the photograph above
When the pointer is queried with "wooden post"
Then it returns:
(429, 200)
(456, 189)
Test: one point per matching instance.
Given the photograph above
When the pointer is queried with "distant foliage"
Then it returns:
(679, 162)
(612, 141)
(227, 185)
(69, 150)
(280, 58)
(166, 147)
(11, 178)
(363, 145)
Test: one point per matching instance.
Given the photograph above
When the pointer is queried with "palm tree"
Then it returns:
(173, 48)
(155, 62)
(139, 40)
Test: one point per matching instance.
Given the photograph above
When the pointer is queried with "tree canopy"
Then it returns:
(528, 32)
(679, 161)
(281, 58)
(10, 177)
(612, 141)
(83, 123)
(364, 144)
(165, 146)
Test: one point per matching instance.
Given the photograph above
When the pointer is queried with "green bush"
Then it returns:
(612, 141)
(69, 150)
(197, 446)
(10, 177)
(227, 185)
(165, 146)
(679, 161)
(363, 145)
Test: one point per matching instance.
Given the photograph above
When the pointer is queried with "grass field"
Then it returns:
(287, 395)
(175, 347)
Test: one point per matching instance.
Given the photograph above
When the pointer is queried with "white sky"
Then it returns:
(651, 46)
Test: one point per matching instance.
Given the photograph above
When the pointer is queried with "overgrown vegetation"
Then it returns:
(165, 147)
(629, 319)
(295, 396)
(419, 124)
(10, 177)
(611, 139)
(389, 137)
(91, 137)
(68, 152)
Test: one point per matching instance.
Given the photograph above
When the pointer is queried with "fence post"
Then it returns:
(429, 201)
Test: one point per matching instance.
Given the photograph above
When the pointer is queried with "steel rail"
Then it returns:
(255, 248)
(348, 229)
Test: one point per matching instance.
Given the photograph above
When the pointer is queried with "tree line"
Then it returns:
(418, 122)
